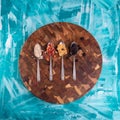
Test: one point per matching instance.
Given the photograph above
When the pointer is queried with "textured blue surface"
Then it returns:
(19, 18)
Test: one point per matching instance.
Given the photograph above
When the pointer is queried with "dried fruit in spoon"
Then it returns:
(50, 49)
(73, 51)
(74, 48)
(62, 50)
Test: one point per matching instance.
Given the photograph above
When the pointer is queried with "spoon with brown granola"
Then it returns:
(62, 50)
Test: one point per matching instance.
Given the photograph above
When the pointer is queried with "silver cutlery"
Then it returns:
(50, 51)
(38, 55)
(73, 51)
(62, 50)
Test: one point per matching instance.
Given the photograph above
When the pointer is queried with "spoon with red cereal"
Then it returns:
(51, 52)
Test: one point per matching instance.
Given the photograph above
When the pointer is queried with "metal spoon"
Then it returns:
(74, 68)
(62, 69)
(38, 55)
(50, 67)
(50, 51)
(62, 51)
(73, 51)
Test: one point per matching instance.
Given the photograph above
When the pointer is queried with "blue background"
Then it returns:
(20, 18)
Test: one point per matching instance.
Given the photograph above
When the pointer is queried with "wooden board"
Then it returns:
(88, 63)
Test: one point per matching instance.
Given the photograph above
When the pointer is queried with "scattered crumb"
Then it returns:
(50, 87)
(86, 86)
(96, 55)
(22, 53)
(68, 86)
(54, 72)
(70, 99)
(77, 90)
(80, 52)
(29, 88)
(97, 67)
(92, 79)
(60, 100)
(68, 76)
(30, 82)
(27, 85)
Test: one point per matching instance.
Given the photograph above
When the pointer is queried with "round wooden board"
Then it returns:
(88, 63)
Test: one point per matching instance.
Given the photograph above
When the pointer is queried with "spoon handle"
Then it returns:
(38, 71)
(62, 68)
(74, 69)
(50, 74)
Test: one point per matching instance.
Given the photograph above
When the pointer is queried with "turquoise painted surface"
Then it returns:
(19, 18)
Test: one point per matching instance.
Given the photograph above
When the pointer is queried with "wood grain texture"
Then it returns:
(88, 63)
